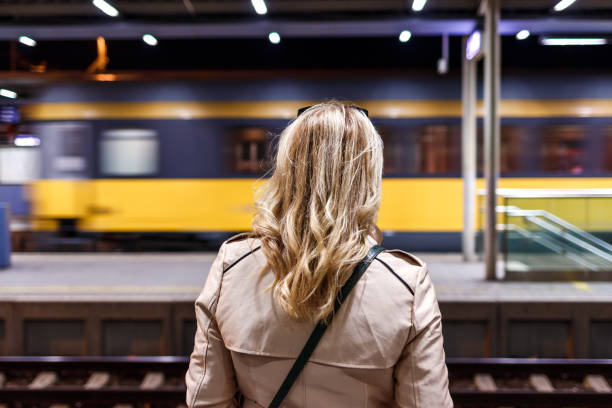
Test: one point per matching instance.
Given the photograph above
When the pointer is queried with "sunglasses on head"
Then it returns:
(305, 108)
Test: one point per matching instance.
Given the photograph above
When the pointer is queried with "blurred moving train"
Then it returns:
(180, 159)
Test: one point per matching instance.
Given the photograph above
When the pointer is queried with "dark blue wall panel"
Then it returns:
(14, 195)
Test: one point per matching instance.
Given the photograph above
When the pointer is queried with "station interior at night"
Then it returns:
(135, 134)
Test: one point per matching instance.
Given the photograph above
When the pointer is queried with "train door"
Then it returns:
(61, 198)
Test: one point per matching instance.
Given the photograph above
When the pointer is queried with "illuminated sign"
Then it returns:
(9, 114)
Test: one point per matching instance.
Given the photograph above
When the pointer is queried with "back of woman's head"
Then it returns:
(315, 212)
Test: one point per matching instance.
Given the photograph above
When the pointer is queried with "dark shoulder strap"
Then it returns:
(320, 328)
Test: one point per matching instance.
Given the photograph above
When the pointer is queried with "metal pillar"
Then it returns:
(491, 131)
(468, 152)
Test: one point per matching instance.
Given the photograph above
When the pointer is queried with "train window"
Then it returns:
(511, 148)
(431, 149)
(439, 149)
(563, 149)
(393, 151)
(66, 148)
(250, 150)
(129, 152)
(70, 158)
(510, 151)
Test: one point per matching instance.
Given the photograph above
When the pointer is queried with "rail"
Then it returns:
(108, 381)
(93, 381)
(566, 234)
(530, 382)
(547, 243)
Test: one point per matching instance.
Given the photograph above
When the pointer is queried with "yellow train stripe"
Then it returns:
(173, 205)
(162, 110)
(287, 109)
(581, 108)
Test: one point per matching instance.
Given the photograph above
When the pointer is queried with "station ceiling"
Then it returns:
(228, 34)
(176, 19)
(63, 10)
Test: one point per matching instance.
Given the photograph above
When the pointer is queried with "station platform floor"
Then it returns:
(179, 277)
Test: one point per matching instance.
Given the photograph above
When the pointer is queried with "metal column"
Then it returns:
(491, 131)
(468, 152)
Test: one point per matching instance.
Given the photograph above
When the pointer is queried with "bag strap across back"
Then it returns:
(320, 328)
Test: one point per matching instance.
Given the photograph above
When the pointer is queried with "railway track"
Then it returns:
(530, 382)
(121, 382)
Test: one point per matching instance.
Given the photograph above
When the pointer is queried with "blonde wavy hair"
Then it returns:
(313, 215)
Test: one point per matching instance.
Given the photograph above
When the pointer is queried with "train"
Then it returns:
(181, 160)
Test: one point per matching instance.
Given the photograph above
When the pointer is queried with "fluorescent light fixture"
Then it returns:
(8, 94)
(417, 5)
(563, 4)
(27, 141)
(472, 46)
(149, 39)
(405, 36)
(572, 41)
(521, 35)
(106, 8)
(259, 6)
(274, 37)
(442, 66)
(25, 40)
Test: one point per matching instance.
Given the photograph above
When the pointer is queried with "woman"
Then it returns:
(266, 291)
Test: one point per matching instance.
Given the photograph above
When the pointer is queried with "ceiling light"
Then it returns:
(417, 5)
(149, 39)
(405, 36)
(573, 41)
(25, 40)
(563, 4)
(8, 94)
(274, 37)
(473, 44)
(259, 6)
(106, 8)
(521, 35)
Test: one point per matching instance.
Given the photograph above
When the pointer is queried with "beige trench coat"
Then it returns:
(383, 348)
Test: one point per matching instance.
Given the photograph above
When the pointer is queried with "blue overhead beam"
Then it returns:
(300, 29)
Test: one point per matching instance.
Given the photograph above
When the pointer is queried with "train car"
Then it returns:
(184, 158)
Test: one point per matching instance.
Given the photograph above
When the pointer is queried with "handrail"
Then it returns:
(559, 233)
(531, 215)
(550, 244)
(563, 233)
(585, 240)
(511, 210)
